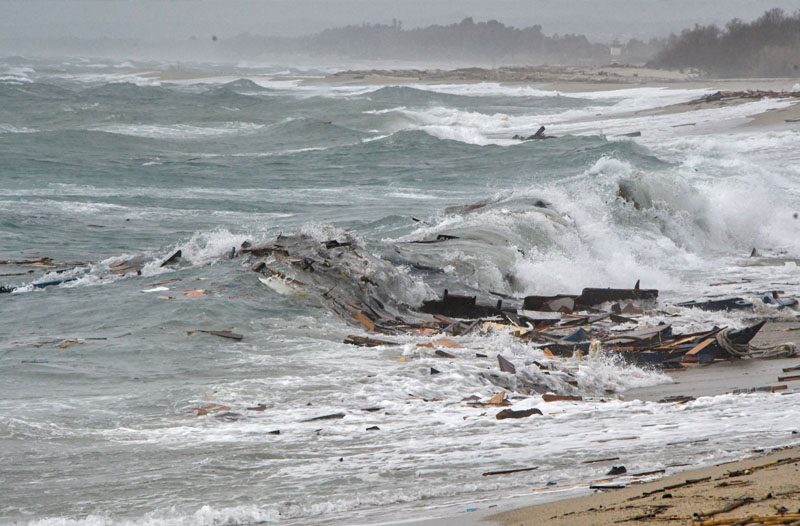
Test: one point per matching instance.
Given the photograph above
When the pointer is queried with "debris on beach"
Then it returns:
(723, 96)
(348, 279)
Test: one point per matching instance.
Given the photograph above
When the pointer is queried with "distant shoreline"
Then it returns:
(561, 78)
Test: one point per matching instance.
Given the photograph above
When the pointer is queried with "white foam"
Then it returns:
(8, 128)
(181, 131)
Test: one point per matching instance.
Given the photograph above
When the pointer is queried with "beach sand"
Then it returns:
(763, 485)
(559, 78)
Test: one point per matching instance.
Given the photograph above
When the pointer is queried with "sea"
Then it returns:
(101, 374)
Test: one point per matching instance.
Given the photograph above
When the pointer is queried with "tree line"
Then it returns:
(766, 47)
(486, 42)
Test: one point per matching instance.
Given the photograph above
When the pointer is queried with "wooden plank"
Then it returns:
(788, 378)
(560, 398)
(508, 471)
(691, 356)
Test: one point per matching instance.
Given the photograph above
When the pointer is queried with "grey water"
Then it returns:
(104, 161)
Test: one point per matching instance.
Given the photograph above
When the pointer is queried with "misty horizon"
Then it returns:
(176, 20)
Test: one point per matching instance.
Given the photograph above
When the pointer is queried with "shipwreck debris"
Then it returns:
(333, 416)
(457, 306)
(508, 471)
(363, 341)
(173, 259)
(511, 413)
(505, 365)
(222, 334)
(352, 282)
(727, 304)
(538, 136)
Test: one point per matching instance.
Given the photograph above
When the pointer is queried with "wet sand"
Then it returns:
(724, 377)
(761, 486)
(784, 118)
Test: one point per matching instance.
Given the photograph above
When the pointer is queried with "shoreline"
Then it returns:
(759, 485)
(559, 78)
(563, 506)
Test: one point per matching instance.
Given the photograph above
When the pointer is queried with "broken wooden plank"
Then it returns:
(508, 471)
(763, 389)
(174, 258)
(210, 408)
(458, 306)
(511, 413)
(333, 416)
(725, 509)
(676, 399)
(691, 356)
(549, 303)
(505, 365)
(788, 518)
(547, 397)
(596, 296)
(195, 293)
(363, 341)
(364, 320)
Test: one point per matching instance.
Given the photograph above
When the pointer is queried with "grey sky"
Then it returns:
(179, 19)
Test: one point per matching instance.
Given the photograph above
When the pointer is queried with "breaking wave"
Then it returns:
(181, 131)
(587, 234)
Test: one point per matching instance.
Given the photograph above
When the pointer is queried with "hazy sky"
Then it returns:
(180, 19)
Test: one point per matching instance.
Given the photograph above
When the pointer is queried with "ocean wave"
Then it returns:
(8, 128)
(181, 131)
(585, 234)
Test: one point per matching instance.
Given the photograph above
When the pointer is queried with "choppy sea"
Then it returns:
(101, 161)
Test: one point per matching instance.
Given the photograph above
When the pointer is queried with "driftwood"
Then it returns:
(508, 471)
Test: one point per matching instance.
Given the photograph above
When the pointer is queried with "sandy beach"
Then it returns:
(762, 486)
(560, 78)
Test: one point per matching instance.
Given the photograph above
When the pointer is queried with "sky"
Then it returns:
(158, 20)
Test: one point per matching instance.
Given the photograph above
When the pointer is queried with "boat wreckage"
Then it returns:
(363, 289)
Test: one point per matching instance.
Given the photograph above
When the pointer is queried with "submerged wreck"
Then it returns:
(364, 290)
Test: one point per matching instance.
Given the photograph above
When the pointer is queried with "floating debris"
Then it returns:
(511, 413)
(508, 471)
(222, 334)
(195, 293)
(334, 416)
